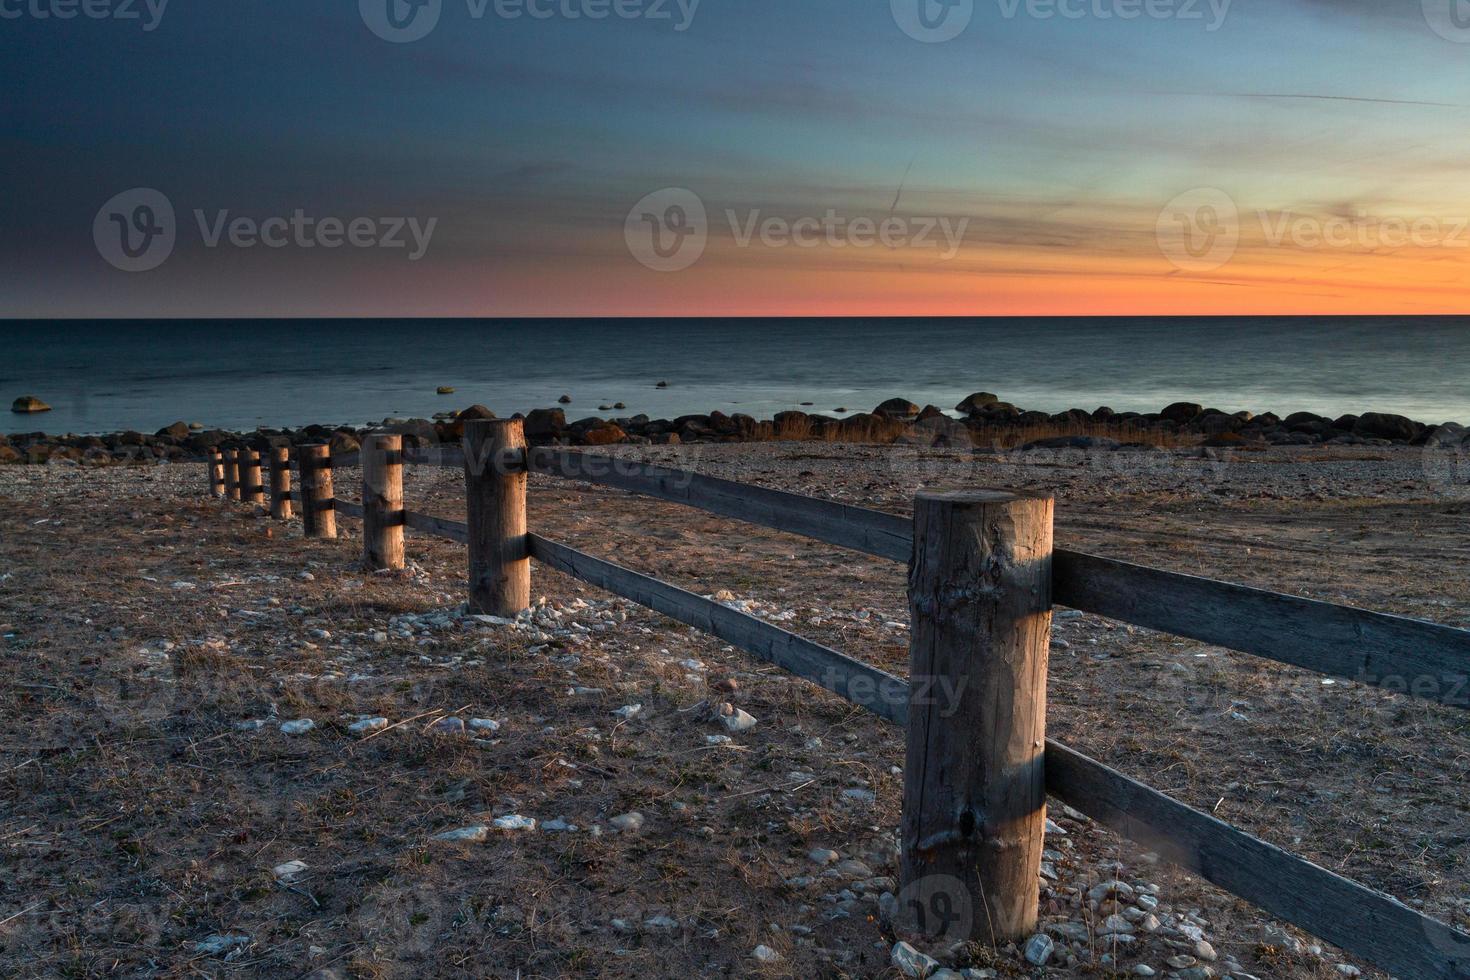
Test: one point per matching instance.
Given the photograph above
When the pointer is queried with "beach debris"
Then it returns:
(734, 719)
(1039, 949)
(363, 725)
(513, 822)
(474, 834)
(288, 872)
(627, 822)
(444, 390)
(221, 943)
(298, 727)
(912, 963)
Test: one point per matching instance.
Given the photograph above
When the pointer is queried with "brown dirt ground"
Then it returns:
(136, 820)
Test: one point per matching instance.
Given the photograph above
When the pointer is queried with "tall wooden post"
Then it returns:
(281, 482)
(382, 501)
(216, 464)
(232, 474)
(495, 506)
(318, 513)
(974, 796)
(251, 490)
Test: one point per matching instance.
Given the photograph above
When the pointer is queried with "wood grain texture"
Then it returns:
(1380, 929)
(1397, 653)
(382, 501)
(252, 491)
(318, 515)
(974, 803)
(215, 467)
(232, 474)
(280, 460)
(881, 693)
(495, 508)
(868, 531)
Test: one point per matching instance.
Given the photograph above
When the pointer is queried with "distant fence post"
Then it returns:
(382, 501)
(974, 796)
(318, 513)
(495, 505)
(232, 474)
(216, 464)
(251, 490)
(281, 482)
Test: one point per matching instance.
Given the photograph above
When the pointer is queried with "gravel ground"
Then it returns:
(160, 647)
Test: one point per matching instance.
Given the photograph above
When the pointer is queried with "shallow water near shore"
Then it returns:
(103, 376)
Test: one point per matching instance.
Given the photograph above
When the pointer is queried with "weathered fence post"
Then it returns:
(318, 513)
(281, 482)
(382, 501)
(216, 463)
(495, 507)
(251, 490)
(232, 474)
(974, 796)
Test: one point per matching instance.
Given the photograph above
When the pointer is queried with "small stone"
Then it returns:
(627, 822)
(448, 726)
(628, 711)
(1114, 925)
(765, 954)
(911, 962)
(363, 725)
(298, 727)
(1039, 949)
(1181, 961)
(1206, 952)
(859, 795)
(1348, 970)
(251, 725)
(306, 576)
(822, 855)
(734, 719)
(558, 826)
(718, 740)
(1144, 970)
(475, 834)
(513, 822)
(1111, 889)
(485, 724)
(660, 923)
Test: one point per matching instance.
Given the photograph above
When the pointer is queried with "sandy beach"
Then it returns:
(158, 640)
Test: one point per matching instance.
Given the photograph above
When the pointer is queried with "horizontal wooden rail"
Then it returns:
(347, 507)
(869, 531)
(881, 693)
(1362, 921)
(453, 530)
(1397, 653)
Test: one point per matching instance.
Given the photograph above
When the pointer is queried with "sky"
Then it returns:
(734, 157)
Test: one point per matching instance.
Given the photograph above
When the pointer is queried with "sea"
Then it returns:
(105, 376)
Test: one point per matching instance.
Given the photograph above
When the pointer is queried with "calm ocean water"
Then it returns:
(104, 376)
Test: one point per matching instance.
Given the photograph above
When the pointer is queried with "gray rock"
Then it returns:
(221, 943)
(298, 727)
(912, 963)
(628, 822)
(475, 835)
(1039, 949)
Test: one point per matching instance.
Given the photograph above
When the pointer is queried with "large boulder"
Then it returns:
(603, 434)
(27, 404)
(1181, 411)
(179, 431)
(897, 408)
(1377, 425)
(545, 423)
(475, 412)
(976, 402)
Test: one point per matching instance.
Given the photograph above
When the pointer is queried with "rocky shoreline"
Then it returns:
(981, 421)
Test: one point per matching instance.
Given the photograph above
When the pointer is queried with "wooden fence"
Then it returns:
(983, 578)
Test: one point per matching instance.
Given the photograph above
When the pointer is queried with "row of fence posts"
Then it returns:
(980, 603)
